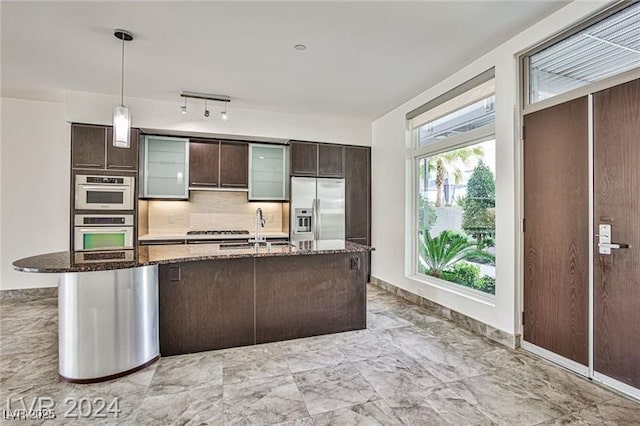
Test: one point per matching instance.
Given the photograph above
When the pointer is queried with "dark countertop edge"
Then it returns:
(111, 266)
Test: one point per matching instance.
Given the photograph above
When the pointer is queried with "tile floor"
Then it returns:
(408, 368)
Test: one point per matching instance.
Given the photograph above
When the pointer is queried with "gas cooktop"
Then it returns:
(216, 232)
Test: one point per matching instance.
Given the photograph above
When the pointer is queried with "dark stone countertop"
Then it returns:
(67, 261)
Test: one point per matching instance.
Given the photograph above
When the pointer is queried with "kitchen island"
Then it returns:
(120, 310)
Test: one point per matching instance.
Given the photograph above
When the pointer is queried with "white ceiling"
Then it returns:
(363, 58)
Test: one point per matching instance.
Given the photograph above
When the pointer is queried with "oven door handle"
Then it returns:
(104, 229)
(110, 188)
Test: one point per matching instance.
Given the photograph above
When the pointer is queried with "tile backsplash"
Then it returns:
(211, 210)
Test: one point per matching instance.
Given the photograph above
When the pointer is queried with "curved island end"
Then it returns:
(120, 310)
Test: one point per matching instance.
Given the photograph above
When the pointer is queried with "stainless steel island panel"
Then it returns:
(108, 322)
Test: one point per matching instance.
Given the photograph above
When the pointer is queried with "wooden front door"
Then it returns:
(617, 203)
(556, 237)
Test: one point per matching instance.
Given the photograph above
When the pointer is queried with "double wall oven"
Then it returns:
(104, 212)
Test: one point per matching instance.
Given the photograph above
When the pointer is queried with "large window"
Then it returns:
(455, 197)
(604, 49)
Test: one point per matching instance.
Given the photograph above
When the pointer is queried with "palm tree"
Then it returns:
(450, 163)
(439, 253)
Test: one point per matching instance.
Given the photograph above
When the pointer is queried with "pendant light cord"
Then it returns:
(122, 76)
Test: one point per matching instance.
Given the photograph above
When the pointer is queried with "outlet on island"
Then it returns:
(355, 263)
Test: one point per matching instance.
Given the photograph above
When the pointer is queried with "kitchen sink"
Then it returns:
(282, 243)
(236, 246)
(230, 246)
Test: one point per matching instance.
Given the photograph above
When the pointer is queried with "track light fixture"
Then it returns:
(224, 115)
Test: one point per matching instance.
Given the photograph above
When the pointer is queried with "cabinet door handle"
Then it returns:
(120, 166)
(175, 274)
(234, 184)
(204, 183)
(87, 165)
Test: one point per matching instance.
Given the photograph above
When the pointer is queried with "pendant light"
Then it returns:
(121, 113)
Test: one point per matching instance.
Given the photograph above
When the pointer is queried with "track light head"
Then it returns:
(206, 113)
(184, 109)
(224, 115)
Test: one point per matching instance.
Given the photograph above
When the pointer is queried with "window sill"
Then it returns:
(458, 290)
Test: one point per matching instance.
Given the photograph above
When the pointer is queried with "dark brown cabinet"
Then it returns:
(302, 296)
(218, 164)
(304, 158)
(88, 146)
(123, 158)
(204, 164)
(330, 160)
(234, 164)
(223, 303)
(316, 160)
(91, 148)
(206, 305)
(358, 197)
(357, 193)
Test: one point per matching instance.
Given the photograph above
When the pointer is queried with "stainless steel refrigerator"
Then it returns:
(317, 209)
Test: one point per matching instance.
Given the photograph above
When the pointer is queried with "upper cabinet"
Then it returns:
(218, 164)
(304, 158)
(88, 146)
(165, 167)
(123, 158)
(234, 164)
(267, 172)
(330, 160)
(204, 164)
(316, 160)
(91, 148)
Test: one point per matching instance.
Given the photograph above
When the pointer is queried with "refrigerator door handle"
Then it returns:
(314, 223)
(319, 223)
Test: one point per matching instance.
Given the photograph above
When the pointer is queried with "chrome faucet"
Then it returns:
(260, 222)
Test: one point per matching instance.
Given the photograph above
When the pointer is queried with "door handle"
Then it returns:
(604, 240)
(613, 245)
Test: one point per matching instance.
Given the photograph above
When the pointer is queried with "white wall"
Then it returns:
(391, 175)
(85, 107)
(34, 208)
(35, 160)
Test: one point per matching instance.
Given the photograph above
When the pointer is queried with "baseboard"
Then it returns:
(28, 293)
(499, 336)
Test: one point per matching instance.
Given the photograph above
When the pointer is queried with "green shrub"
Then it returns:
(487, 284)
(443, 252)
(462, 273)
(468, 275)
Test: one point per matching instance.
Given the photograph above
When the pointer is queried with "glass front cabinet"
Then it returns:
(268, 172)
(165, 168)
